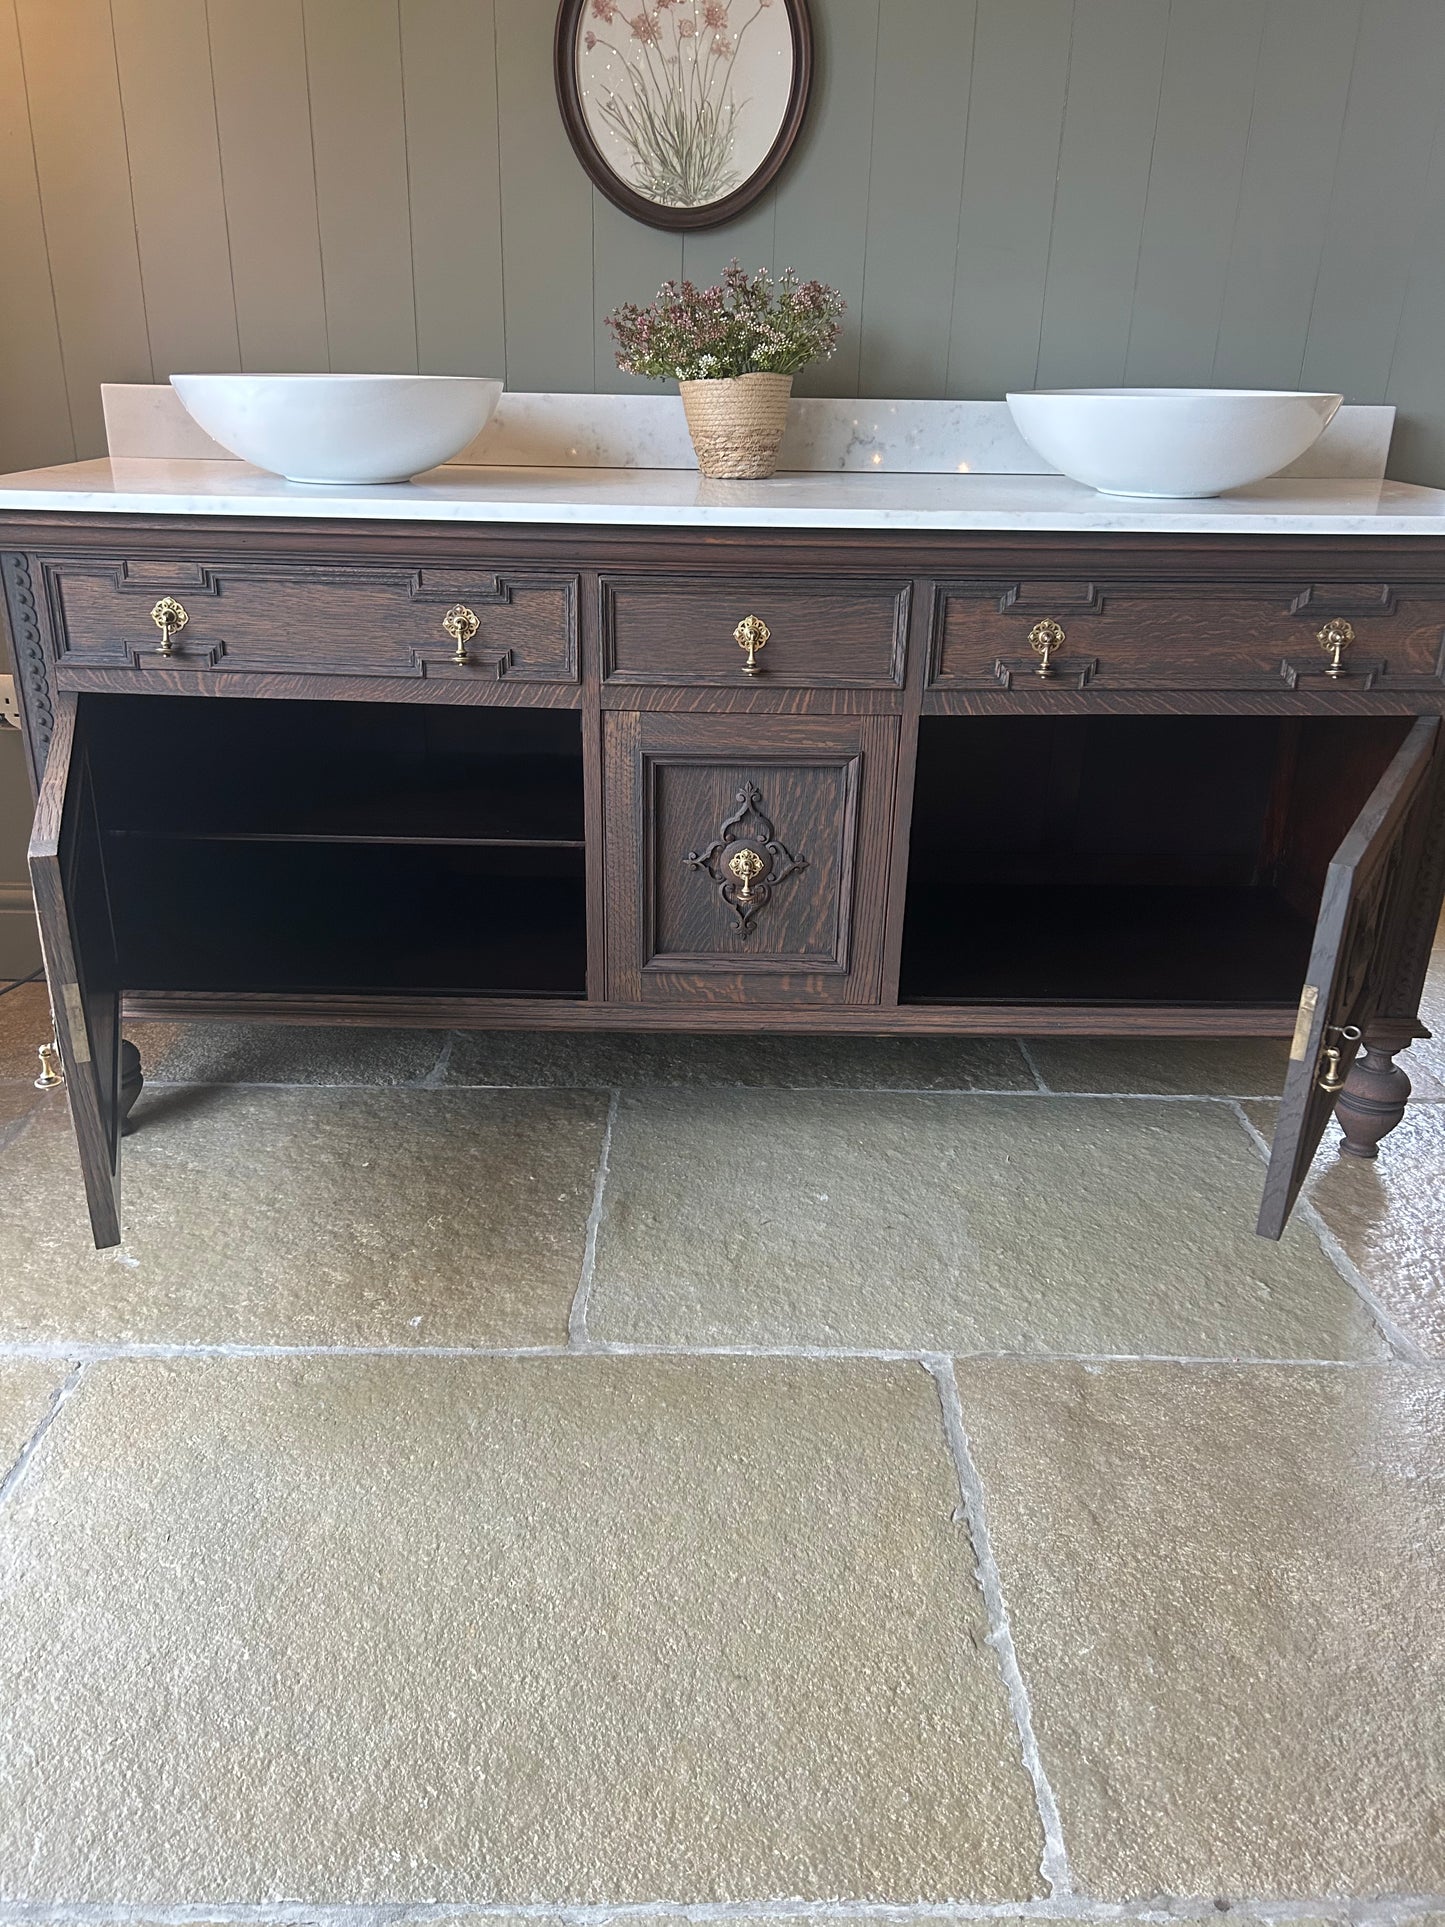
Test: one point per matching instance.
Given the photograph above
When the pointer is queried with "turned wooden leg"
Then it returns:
(1376, 1091)
(131, 1079)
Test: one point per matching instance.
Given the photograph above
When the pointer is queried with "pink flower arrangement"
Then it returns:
(745, 325)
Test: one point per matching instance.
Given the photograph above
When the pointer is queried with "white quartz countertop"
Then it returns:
(681, 498)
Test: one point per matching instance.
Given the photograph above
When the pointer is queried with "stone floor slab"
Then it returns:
(953, 1223)
(1163, 1066)
(611, 1059)
(1227, 1593)
(1389, 1216)
(308, 1217)
(578, 1630)
(285, 1053)
(27, 1386)
(1425, 1060)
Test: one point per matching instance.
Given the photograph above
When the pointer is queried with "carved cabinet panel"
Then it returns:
(747, 863)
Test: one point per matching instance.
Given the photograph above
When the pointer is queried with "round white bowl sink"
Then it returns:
(1170, 441)
(341, 428)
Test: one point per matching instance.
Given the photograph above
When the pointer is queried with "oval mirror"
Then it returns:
(682, 111)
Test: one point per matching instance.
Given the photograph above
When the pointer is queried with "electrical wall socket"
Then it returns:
(9, 703)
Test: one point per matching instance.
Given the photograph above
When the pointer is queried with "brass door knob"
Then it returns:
(1045, 639)
(1333, 1070)
(752, 634)
(170, 617)
(1335, 638)
(461, 624)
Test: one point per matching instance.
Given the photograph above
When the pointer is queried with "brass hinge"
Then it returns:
(1308, 1004)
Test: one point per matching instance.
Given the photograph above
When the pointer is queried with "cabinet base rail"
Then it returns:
(497, 1013)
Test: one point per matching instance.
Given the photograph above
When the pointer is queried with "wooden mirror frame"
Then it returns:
(653, 213)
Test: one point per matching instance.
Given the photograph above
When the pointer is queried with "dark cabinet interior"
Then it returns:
(1139, 859)
(344, 847)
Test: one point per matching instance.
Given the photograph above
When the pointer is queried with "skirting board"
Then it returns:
(19, 942)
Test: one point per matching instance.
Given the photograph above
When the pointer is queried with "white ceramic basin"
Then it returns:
(1170, 441)
(341, 428)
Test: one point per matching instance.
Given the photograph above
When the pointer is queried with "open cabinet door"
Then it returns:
(1352, 939)
(67, 872)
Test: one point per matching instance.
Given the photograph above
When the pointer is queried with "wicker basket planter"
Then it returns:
(737, 425)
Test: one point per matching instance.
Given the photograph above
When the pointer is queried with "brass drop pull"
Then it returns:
(52, 1073)
(170, 617)
(461, 624)
(747, 866)
(1335, 638)
(1045, 638)
(752, 634)
(1333, 1071)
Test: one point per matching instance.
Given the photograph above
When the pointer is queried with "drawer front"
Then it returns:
(747, 872)
(823, 634)
(1186, 636)
(334, 620)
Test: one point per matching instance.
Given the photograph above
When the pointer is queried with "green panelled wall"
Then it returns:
(1009, 192)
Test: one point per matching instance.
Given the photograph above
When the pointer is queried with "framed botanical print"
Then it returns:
(682, 111)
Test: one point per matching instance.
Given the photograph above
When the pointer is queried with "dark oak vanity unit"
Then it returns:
(464, 774)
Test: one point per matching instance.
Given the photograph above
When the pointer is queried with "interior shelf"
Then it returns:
(264, 845)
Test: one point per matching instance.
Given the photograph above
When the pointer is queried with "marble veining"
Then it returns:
(677, 498)
(145, 420)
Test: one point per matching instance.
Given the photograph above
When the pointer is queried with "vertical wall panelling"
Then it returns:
(353, 57)
(1384, 163)
(1416, 382)
(1010, 177)
(34, 415)
(824, 188)
(1294, 137)
(449, 68)
(263, 114)
(1210, 64)
(1006, 191)
(751, 240)
(85, 195)
(920, 118)
(546, 212)
(1110, 119)
(630, 262)
(163, 56)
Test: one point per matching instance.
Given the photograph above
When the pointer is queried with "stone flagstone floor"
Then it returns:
(511, 1477)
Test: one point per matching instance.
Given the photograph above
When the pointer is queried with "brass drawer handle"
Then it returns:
(1045, 638)
(461, 624)
(1335, 638)
(170, 617)
(747, 866)
(752, 634)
